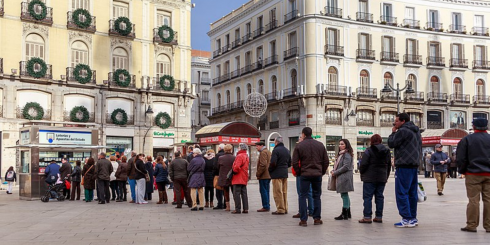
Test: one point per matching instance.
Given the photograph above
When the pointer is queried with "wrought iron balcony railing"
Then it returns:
(70, 24)
(273, 60)
(179, 86)
(236, 43)
(235, 74)
(24, 73)
(333, 120)
(434, 26)
(480, 31)
(363, 92)
(271, 26)
(274, 124)
(20, 115)
(412, 24)
(365, 122)
(1, 66)
(460, 98)
(335, 90)
(71, 78)
(26, 15)
(67, 116)
(217, 53)
(225, 48)
(458, 63)
(333, 12)
(389, 56)
(481, 64)
(459, 29)
(113, 83)
(388, 20)
(1, 8)
(205, 81)
(437, 97)
(414, 97)
(389, 95)
(158, 39)
(225, 77)
(412, 59)
(259, 32)
(290, 53)
(245, 70)
(481, 99)
(271, 96)
(436, 61)
(435, 125)
(291, 16)
(130, 119)
(290, 92)
(365, 54)
(334, 50)
(364, 17)
(247, 38)
(122, 25)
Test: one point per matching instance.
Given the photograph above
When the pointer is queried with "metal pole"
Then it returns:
(397, 97)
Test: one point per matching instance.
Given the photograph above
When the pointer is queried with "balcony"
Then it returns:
(245, 70)
(480, 31)
(83, 73)
(108, 119)
(412, 24)
(217, 53)
(1, 14)
(226, 48)
(293, 121)
(388, 96)
(417, 97)
(333, 120)
(389, 57)
(481, 99)
(365, 54)
(159, 40)
(388, 20)
(216, 81)
(291, 16)
(290, 92)
(434, 26)
(37, 67)
(274, 124)
(436, 62)
(335, 90)
(257, 65)
(259, 32)
(25, 15)
(122, 26)
(67, 116)
(236, 43)
(435, 125)
(411, 59)
(290, 53)
(273, 60)
(205, 102)
(458, 29)
(235, 106)
(70, 24)
(460, 98)
(271, 26)
(225, 77)
(205, 81)
(235, 74)
(333, 12)
(261, 125)
(113, 83)
(334, 50)
(364, 17)
(481, 65)
(458, 63)
(437, 97)
(367, 93)
(246, 38)
(20, 115)
(179, 86)
(271, 96)
(365, 122)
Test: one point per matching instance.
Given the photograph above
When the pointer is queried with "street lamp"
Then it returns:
(388, 89)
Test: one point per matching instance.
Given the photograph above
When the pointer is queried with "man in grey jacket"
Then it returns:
(178, 174)
(103, 170)
(440, 161)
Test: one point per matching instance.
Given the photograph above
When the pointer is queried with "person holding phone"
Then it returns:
(440, 162)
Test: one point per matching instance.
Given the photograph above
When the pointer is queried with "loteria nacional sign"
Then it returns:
(65, 137)
(227, 139)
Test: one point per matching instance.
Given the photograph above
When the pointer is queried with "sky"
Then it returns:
(206, 12)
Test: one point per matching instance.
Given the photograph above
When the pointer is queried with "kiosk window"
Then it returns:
(25, 160)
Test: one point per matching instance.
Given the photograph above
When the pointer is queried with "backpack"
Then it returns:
(10, 176)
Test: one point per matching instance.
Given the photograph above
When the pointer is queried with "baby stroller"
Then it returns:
(55, 190)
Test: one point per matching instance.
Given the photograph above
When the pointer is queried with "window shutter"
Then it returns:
(416, 51)
(462, 51)
(394, 45)
(428, 48)
(370, 42)
(337, 40)
(406, 46)
(382, 43)
(359, 38)
(452, 54)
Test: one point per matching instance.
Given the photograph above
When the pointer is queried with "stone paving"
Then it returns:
(34, 222)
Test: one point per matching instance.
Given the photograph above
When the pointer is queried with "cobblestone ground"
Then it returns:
(34, 222)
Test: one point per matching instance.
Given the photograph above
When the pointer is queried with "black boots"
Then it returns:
(344, 215)
(348, 213)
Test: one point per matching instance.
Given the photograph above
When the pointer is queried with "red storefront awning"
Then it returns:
(443, 137)
(228, 133)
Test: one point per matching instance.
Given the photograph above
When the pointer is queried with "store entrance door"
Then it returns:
(161, 152)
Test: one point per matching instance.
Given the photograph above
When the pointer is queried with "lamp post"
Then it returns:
(388, 89)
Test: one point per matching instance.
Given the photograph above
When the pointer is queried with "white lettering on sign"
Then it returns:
(64, 137)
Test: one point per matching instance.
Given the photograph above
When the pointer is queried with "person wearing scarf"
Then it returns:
(343, 172)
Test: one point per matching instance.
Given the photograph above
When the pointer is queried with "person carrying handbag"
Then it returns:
(344, 176)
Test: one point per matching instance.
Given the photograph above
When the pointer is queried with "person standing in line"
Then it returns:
(263, 175)
(225, 164)
(428, 165)
(344, 176)
(407, 142)
(473, 159)
(103, 170)
(10, 177)
(113, 179)
(440, 161)
(453, 166)
(161, 178)
(121, 178)
(298, 189)
(89, 178)
(219, 193)
(278, 170)
(190, 155)
(209, 176)
(240, 179)
(149, 185)
(178, 174)
(131, 176)
(196, 178)
(65, 172)
(76, 178)
(140, 179)
(310, 163)
(375, 169)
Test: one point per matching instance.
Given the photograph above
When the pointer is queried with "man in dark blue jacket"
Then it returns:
(52, 171)
(440, 160)
(278, 170)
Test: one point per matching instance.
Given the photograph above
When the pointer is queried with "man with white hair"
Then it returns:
(219, 193)
(278, 170)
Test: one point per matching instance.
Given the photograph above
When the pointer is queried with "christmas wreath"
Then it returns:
(33, 111)
(78, 111)
(32, 72)
(78, 69)
(123, 120)
(129, 26)
(170, 37)
(32, 11)
(117, 77)
(78, 22)
(171, 85)
(167, 120)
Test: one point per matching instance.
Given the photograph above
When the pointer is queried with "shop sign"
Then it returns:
(184, 141)
(360, 148)
(227, 139)
(65, 137)
(164, 134)
(316, 136)
(365, 132)
(450, 141)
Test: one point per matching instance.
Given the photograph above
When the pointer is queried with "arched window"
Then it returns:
(238, 94)
(413, 79)
(434, 84)
(364, 79)
(294, 80)
(249, 89)
(261, 86)
(274, 85)
(388, 78)
(228, 98)
(34, 46)
(332, 76)
(480, 88)
(163, 65)
(457, 86)
(79, 54)
(120, 59)
(219, 99)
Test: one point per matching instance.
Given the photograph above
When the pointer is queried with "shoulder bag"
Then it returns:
(332, 185)
(147, 176)
(215, 183)
(83, 178)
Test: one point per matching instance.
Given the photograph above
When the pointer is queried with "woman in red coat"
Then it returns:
(240, 179)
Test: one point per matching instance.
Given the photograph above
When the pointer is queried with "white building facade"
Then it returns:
(201, 79)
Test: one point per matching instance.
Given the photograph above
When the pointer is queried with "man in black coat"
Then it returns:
(219, 193)
(278, 169)
(65, 172)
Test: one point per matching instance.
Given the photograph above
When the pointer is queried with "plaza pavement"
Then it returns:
(34, 222)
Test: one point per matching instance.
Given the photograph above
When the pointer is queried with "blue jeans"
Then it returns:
(310, 196)
(369, 190)
(315, 183)
(132, 186)
(406, 182)
(264, 186)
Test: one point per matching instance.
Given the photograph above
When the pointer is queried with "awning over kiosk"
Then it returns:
(443, 136)
(230, 132)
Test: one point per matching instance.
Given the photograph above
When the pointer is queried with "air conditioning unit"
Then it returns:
(301, 90)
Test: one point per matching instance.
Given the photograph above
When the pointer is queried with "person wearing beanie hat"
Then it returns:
(473, 160)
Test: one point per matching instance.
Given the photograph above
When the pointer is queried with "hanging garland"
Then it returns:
(39, 111)
(124, 119)
(76, 110)
(76, 18)
(78, 69)
(171, 34)
(117, 79)
(129, 26)
(33, 13)
(171, 86)
(32, 72)
(166, 117)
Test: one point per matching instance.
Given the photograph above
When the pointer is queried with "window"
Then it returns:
(434, 120)
(274, 85)
(248, 28)
(227, 40)
(272, 15)
(80, 4)
(272, 48)
(260, 22)
(218, 45)
(333, 37)
(332, 76)
(434, 84)
(120, 9)
(274, 116)
(416, 118)
(412, 48)
(363, 6)
(457, 53)
(409, 13)
(228, 98)
(249, 89)
(292, 40)
(292, 5)
(480, 88)
(227, 67)
(364, 44)
(434, 51)
(260, 53)
(457, 86)
(205, 95)
(365, 118)
(387, 118)
(163, 66)
(433, 19)
(480, 115)
(413, 79)
(332, 4)
(333, 116)
(34, 46)
(218, 70)
(294, 80)
(293, 117)
(387, 12)
(457, 26)
(219, 99)
(261, 86)
(79, 54)
(237, 63)
(248, 58)
(120, 59)
(388, 78)
(238, 94)
(205, 76)
(388, 47)
(164, 18)
(480, 55)
(364, 77)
